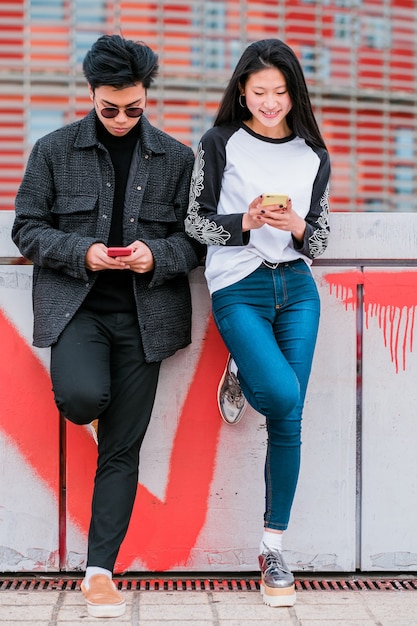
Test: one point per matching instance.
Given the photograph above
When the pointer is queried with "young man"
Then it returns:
(110, 316)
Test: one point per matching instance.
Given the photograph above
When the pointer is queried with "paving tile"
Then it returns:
(172, 597)
(32, 598)
(251, 612)
(408, 621)
(394, 608)
(335, 612)
(328, 597)
(178, 622)
(340, 622)
(174, 612)
(262, 621)
(31, 613)
(237, 597)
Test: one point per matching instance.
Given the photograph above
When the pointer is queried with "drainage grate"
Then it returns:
(37, 583)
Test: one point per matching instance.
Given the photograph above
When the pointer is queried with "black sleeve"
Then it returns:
(317, 229)
(203, 222)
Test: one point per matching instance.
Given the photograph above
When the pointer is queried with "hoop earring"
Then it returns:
(243, 105)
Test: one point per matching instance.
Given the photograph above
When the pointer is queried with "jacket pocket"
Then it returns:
(157, 212)
(156, 221)
(76, 214)
(71, 205)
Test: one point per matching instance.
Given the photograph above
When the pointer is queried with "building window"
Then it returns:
(43, 121)
(376, 32)
(308, 61)
(404, 143)
(348, 4)
(374, 205)
(315, 63)
(346, 29)
(46, 10)
(404, 187)
(212, 45)
(90, 18)
(404, 170)
(213, 54)
(235, 49)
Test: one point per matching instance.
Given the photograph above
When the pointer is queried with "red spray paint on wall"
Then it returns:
(161, 533)
(34, 427)
(389, 296)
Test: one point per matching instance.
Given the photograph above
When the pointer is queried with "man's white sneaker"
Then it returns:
(102, 597)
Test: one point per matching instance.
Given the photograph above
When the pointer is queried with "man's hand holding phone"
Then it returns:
(140, 257)
(121, 251)
(98, 258)
(136, 257)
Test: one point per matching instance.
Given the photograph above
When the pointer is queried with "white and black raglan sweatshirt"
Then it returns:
(233, 166)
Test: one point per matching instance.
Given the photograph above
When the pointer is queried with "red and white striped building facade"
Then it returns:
(359, 58)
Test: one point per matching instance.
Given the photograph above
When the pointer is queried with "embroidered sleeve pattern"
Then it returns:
(202, 228)
(318, 240)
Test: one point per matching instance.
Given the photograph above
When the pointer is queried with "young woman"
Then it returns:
(265, 141)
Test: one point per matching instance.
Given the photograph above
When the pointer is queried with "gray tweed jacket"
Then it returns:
(64, 205)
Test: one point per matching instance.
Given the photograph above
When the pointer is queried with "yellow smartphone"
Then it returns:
(274, 198)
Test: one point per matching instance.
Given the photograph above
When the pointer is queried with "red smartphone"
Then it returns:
(113, 252)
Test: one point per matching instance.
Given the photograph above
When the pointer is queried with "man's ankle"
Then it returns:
(92, 571)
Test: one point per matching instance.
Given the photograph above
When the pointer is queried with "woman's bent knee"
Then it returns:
(278, 401)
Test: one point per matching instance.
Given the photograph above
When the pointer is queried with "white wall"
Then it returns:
(201, 493)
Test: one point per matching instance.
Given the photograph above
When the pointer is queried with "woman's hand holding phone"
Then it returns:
(261, 210)
(276, 211)
(279, 214)
(271, 199)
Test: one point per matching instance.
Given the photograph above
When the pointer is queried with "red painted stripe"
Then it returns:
(28, 415)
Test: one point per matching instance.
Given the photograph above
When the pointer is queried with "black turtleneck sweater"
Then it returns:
(113, 289)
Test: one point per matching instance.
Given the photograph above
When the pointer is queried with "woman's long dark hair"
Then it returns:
(261, 55)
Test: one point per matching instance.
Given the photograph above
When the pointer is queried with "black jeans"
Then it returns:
(98, 370)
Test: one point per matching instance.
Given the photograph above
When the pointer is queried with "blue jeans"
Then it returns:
(269, 322)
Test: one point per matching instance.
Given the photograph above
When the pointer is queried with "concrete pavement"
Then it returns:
(147, 605)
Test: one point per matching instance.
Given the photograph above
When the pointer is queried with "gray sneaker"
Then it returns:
(232, 403)
(277, 582)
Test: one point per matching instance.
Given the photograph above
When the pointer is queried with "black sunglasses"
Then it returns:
(114, 111)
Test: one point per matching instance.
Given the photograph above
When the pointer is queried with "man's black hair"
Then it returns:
(119, 62)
